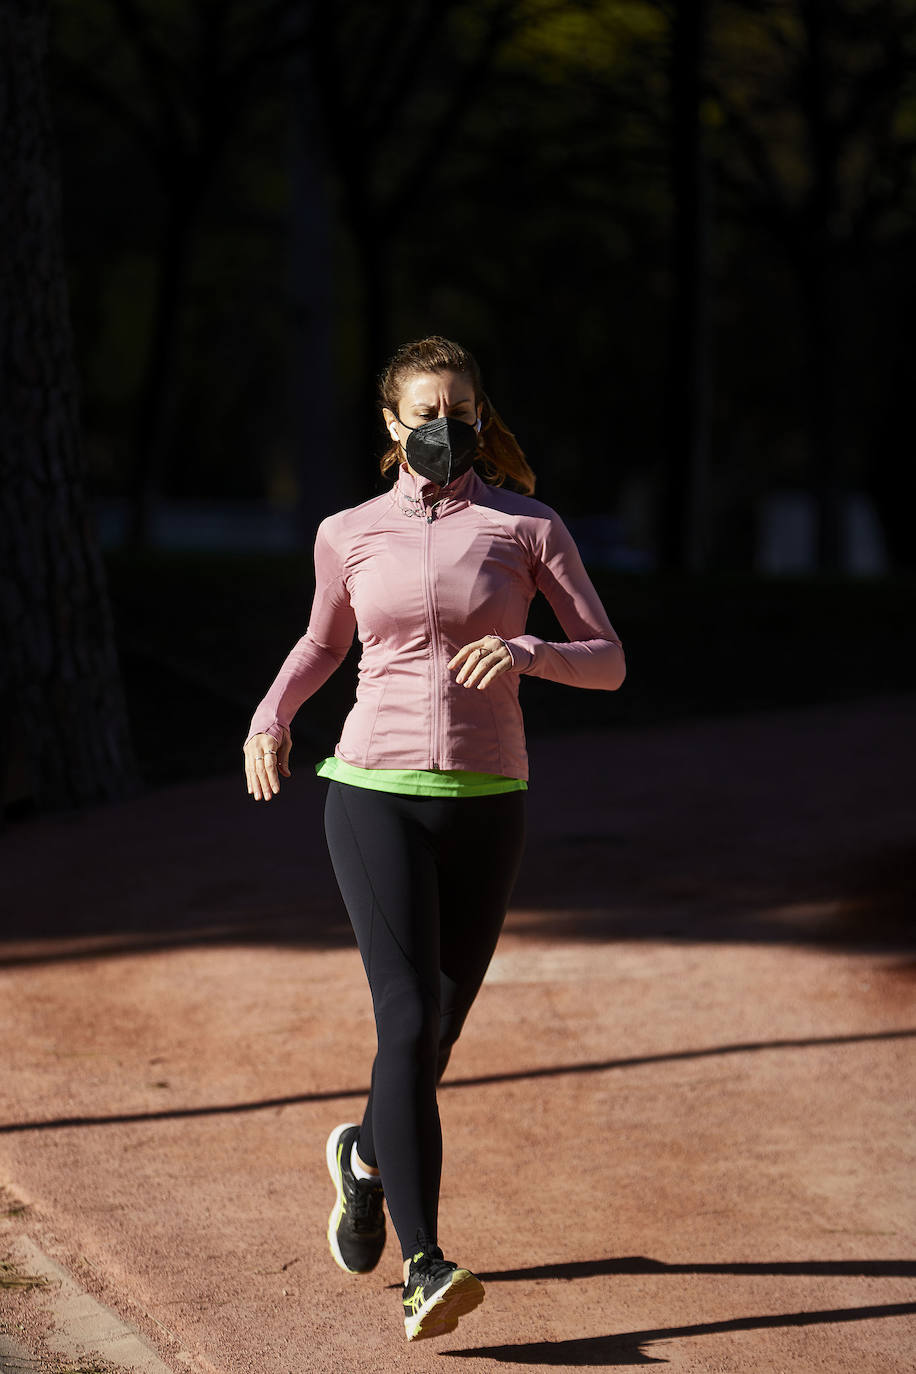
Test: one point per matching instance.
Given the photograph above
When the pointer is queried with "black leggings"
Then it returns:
(426, 882)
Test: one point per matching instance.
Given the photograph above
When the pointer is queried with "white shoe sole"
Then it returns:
(440, 1313)
(338, 1209)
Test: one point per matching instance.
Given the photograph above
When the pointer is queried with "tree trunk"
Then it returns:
(371, 245)
(156, 414)
(891, 476)
(323, 480)
(683, 534)
(63, 728)
(817, 262)
(825, 463)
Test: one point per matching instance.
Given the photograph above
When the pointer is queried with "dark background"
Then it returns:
(261, 200)
(679, 237)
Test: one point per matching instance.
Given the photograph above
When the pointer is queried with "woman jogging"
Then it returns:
(425, 808)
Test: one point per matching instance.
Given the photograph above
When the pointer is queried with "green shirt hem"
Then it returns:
(420, 782)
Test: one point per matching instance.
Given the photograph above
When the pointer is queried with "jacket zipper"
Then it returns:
(433, 636)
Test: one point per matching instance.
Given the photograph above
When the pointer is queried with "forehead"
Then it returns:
(429, 388)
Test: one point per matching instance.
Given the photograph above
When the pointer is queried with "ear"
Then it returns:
(391, 421)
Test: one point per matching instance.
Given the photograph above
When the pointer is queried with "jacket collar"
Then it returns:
(419, 490)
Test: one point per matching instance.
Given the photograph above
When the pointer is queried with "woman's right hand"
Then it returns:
(265, 761)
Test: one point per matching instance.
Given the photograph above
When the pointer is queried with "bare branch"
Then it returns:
(472, 80)
(156, 65)
(751, 143)
(392, 75)
(83, 81)
(287, 28)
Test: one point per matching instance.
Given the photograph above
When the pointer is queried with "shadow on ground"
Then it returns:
(625, 1348)
(791, 827)
(478, 1081)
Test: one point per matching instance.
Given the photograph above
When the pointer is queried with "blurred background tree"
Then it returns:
(813, 107)
(666, 229)
(679, 236)
(63, 725)
(495, 171)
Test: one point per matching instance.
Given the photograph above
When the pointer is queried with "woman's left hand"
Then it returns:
(481, 661)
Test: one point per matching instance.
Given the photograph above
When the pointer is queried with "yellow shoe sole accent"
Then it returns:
(332, 1155)
(441, 1313)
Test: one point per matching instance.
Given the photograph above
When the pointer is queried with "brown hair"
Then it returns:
(499, 456)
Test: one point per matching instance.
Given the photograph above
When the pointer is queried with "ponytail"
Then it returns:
(499, 455)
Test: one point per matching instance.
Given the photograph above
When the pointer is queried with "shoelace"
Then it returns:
(366, 1206)
(433, 1268)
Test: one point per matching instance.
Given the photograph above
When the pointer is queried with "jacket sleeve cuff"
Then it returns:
(274, 729)
(521, 651)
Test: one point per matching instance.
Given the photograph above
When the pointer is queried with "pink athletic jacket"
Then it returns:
(419, 573)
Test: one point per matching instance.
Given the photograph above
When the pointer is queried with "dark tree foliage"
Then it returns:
(683, 505)
(814, 108)
(64, 729)
(683, 263)
(175, 80)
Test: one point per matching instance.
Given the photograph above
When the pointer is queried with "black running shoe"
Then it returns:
(356, 1227)
(436, 1294)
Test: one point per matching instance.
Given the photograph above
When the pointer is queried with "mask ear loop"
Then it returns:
(396, 438)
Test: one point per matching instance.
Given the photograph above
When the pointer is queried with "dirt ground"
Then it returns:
(679, 1127)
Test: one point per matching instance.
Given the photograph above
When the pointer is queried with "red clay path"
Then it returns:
(679, 1127)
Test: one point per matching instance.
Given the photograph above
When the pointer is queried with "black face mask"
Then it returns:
(441, 450)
